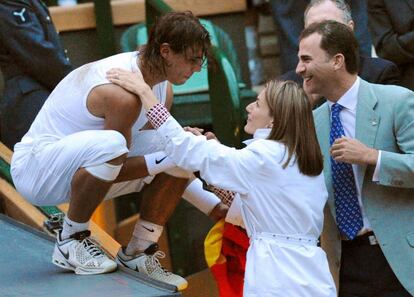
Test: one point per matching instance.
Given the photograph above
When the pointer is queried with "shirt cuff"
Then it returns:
(157, 115)
(375, 177)
(234, 215)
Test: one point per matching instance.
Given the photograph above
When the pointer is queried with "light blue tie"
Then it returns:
(348, 212)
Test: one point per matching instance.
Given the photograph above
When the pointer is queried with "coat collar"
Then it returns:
(367, 121)
(258, 134)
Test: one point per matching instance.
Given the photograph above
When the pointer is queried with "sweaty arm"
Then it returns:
(120, 110)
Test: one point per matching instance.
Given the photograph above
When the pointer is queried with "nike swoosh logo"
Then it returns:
(66, 255)
(160, 160)
(126, 265)
(146, 228)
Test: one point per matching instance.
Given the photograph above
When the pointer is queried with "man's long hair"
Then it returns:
(182, 31)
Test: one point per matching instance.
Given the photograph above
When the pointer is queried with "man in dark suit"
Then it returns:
(373, 70)
(288, 16)
(32, 61)
(392, 29)
(366, 134)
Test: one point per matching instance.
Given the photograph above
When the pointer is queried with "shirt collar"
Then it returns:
(258, 134)
(350, 98)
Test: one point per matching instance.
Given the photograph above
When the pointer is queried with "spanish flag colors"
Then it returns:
(225, 250)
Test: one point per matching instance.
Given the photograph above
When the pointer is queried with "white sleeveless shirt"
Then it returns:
(65, 111)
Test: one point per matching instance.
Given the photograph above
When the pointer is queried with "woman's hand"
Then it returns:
(210, 135)
(195, 130)
(131, 81)
(198, 131)
(134, 83)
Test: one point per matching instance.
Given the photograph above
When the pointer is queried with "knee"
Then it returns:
(105, 171)
(116, 140)
(109, 170)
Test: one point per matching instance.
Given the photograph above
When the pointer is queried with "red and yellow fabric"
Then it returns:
(225, 250)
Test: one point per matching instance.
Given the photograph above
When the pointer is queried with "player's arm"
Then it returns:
(118, 107)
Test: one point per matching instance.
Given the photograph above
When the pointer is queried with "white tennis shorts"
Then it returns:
(43, 169)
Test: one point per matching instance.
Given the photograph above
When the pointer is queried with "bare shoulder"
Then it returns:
(109, 97)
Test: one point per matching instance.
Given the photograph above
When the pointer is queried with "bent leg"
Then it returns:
(161, 198)
(87, 192)
(88, 185)
(44, 171)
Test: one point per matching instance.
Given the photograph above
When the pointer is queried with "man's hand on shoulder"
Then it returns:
(352, 151)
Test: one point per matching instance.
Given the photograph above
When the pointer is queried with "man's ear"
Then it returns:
(165, 50)
(339, 61)
(351, 25)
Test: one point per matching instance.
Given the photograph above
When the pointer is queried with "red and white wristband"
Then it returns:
(157, 115)
(225, 196)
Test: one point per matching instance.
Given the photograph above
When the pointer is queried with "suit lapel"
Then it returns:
(367, 122)
(322, 129)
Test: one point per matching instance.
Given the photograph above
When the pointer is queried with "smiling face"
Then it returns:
(258, 115)
(315, 65)
(179, 67)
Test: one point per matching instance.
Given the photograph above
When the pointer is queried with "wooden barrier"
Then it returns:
(126, 12)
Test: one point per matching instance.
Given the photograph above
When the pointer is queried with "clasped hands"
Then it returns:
(352, 151)
(198, 131)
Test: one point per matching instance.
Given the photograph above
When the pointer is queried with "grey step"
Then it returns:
(26, 270)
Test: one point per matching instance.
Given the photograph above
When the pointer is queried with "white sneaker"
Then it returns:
(148, 263)
(80, 254)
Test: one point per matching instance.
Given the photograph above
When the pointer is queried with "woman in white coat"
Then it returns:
(278, 177)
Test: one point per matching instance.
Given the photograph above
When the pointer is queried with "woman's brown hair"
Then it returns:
(293, 125)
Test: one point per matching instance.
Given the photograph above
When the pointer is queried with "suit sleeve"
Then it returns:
(390, 76)
(388, 43)
(30, 45)
(397, 168)
(218, 164)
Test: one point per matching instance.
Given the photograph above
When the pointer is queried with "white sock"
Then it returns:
(200, 198)
(145, 233)
(158, 162)
(70, 227)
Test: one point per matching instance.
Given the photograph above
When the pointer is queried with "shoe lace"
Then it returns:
(154, 263)
(92, 248)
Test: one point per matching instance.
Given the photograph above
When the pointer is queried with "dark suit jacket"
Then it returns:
(373, 70)
(392, 29)
(32, 61)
